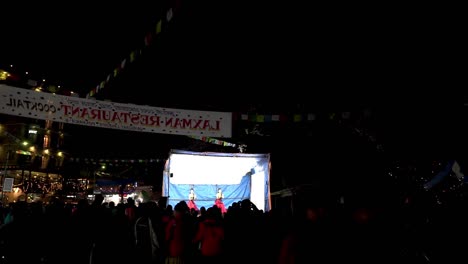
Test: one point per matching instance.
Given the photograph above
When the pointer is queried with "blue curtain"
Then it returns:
(206, 193)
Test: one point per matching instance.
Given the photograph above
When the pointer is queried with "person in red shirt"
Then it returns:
(177, 235)
(210, 235)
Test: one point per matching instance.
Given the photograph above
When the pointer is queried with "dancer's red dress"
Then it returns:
(191, 204)
(219, 203)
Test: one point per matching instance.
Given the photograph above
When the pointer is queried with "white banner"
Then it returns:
(80, 111)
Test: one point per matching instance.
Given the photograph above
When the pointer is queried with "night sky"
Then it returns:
(238, 57)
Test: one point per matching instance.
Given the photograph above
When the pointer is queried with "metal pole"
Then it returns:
(4, 174)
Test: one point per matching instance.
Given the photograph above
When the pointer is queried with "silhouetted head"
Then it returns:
(246, 204)
(98, 199)
(181, 207)
(210, 213)
(202, 210)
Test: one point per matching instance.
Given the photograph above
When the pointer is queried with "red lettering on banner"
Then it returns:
(65, 109)
(115, 116)
(144, 120)
(187, 123)
(192, 124)
(155, 120)
(177, 123)
(125, 117)
(168, 121)
(84, 112)
(197, 124)
(135, 119)
(106, 115)
(138, 119)
(216, 127)
(95, 113)
(206, 124)
(75, 111)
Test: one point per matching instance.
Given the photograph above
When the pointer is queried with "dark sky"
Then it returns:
(73, 45)
(214, 51)
(231, 56)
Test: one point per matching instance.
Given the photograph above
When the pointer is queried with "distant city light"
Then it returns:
(32, 131)
(4, 75)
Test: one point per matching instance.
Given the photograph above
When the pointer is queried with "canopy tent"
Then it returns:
(239, 176)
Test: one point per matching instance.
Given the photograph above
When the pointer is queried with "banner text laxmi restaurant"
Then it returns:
(80, 111)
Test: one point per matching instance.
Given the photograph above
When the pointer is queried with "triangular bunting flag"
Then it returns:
(159, 27)
(132, 56)
(297, 118)
(169, 14)
(148, 39)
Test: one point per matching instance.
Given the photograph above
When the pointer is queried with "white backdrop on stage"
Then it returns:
(239, 176)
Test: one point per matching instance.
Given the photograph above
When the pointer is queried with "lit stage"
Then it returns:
(239, 176)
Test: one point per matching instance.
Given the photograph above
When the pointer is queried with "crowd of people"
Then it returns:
(150, 233)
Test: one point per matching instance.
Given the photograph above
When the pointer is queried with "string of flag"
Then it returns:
(214, 141)
(112, 162)
(299, 117)
(351, 120)
(266, 118)
(241, 147)
(136, 53)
